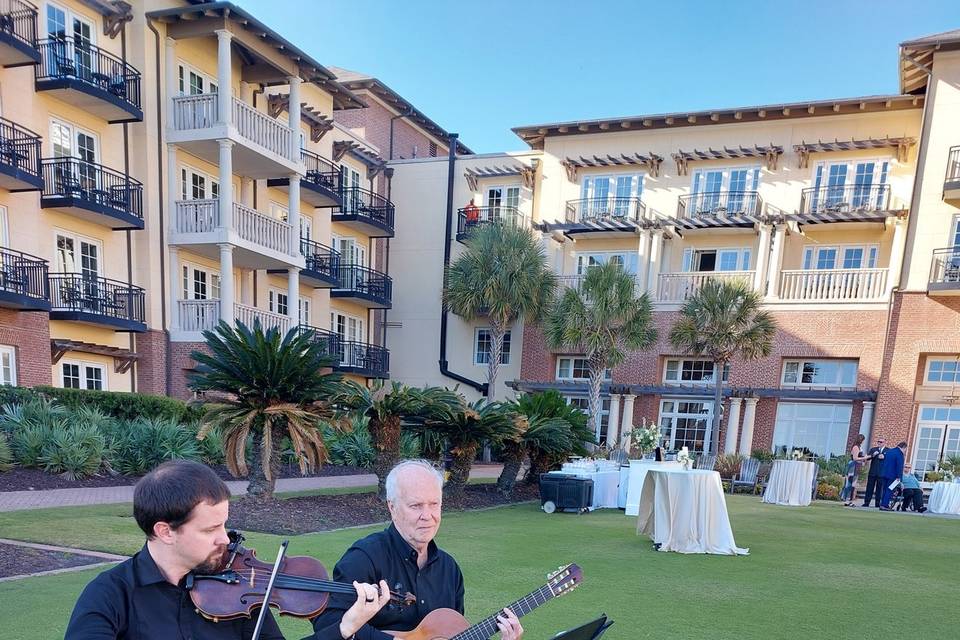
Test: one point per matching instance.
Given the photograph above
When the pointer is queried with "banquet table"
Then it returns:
(606, 483)
(945, 498)
(790, 483)
(686, 512)
(634, 481)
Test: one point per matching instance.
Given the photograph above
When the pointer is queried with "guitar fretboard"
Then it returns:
(486, 628)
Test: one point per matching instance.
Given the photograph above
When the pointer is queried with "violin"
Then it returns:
(301, 588)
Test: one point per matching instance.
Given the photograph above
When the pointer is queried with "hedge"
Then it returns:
(127, 406)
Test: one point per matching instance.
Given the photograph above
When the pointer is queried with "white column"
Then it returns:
(293, 110)
(173, 192)
(626, 420)
(866, 421)
(170, 77)
(226, 283)
(175, 280)
(293, 295)
(224, 78)
(749, 417)
(733, 426)
(896, 255)
(246, 191)
(643, 250)
(763, 253)
(293, 215)
(776, 258)
(653, 262)
(226, 185)
(613, 420)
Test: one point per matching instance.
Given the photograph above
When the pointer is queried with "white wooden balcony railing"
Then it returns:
(261, 229)
(198, 315)
(841, 285)
(201, 112)
(196, 216)
(247, 315)
(677, 287)
(574, 282)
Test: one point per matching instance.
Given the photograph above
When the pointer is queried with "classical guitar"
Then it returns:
(447, 624)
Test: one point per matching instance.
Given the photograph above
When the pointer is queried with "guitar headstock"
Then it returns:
(564, 579)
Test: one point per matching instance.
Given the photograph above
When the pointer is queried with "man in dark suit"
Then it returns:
(892, 470)
(874, 477)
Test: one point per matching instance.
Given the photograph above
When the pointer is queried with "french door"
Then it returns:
(850, 184)
(938, 436)
(687, 423)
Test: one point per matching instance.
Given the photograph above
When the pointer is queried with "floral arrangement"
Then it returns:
(683, 457)
(646, 436)
(797, 454)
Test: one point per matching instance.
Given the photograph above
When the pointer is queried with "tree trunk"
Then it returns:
(463, 455)
(593, 401)
(385, 436)
(496, 352)
(717, 406)
(259, 486)
(513, 454)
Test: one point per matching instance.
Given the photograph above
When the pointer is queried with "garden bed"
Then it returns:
(19, 479)
(16, 560)
(291, 516)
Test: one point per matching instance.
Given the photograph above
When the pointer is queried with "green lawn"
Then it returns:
(819, 572)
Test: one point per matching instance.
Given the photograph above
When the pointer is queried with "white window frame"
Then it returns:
(273, 301)
(74, 130)
(358, 250)
(84, 380)
(77, 239)
(602, 425)
(955, 361)
(670, 435)
(943, 448)
(754, 177)
(10, 353)
(189, 293)
(743, 258)
(587, 259)
(811, 256)
(478, 355)
(607, 374)
(305, 310)
(360, 325)
(279, 211)
(841, 437)
(800, 362)
(680, 364)
(4, 227)
(183, 82)
(504, 195)
(69, 16)
(211, 183)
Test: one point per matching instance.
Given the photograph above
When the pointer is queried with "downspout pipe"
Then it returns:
(444, 368)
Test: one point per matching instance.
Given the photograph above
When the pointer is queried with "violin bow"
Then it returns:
(266, 594)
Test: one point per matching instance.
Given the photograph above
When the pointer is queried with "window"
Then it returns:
(82, 375)
(600, 429)
(626, 259)
(840, 257)
(192, 82)
(716, 259)
(610, 195)
(938, 436)
(483, 342)
(433, 149)
(197, 185)
(820, 373)
(686, 423)
(69, 141)
(61, 25)
(279, 211)
(278, 301)
(8, 365)
(726, 190)
(943, 371)
(849, 185)
(305, 311)
(351, 252)
(350, 180)
(574, 368)
(200, 283)
(67, 260)
(821, 428)
(692, 371)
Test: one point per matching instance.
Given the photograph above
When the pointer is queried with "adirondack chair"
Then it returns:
(748, 475)
(707, 462)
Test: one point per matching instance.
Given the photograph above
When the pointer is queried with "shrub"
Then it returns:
(137, 446)
(211, 447)
(353, 447)
(129, 406)
(827, 492)
(835, 464)
(6, 454)
(410, 445)
(763, 455)
(833, 479)
(728, 464)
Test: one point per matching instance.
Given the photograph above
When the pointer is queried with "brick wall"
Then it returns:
(181, 363)
(151, 367)
(375, 120)
(29, 333)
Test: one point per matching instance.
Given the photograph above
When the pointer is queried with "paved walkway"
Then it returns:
(41, 499)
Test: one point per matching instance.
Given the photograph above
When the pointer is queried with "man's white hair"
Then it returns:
(393, 477)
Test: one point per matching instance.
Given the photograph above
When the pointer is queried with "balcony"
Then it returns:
(856, 202)
(951, 183)
(23, 281)
(92, 192)
(678, 287)
(358, 358)
(260, 241)
(833, 285)
(369, 213)
(945, 272)
(469, 219)
(322, 269)
(614, 210)
(364, 286)
(575, 281)
(89, 78)
(18, 34)
(204, 315)
(19, 158)
(320, 186)
(719, 209)
(262, 145)
(98, 301)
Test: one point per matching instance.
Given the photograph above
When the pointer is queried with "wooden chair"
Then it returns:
(748, 475)
(707, 462)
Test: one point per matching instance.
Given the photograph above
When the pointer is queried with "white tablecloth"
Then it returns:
(685, 511)
(790, 483)
(945, 498)
(638, 471)
(606, 485)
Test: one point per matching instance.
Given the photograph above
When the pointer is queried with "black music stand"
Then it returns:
(589, 631)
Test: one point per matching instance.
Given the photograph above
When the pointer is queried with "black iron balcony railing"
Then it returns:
(92, 184)
(328, 339)
(321, 171)
(953, 165)
(18, 20)
(469, 218)
(719, 203)
(20, 150)
(95, 295)
(587, 209)
(68, 59)
(366, 206)
(842, 199)
(321, 259)
(366, 359)
(945, 268)
(23, 278)
(366, 283)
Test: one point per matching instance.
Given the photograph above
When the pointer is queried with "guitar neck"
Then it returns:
(487, 627)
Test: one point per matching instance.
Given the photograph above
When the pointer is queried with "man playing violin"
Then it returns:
(182, 508)
(405, 557)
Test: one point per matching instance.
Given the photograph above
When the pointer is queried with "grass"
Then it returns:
(817, 572)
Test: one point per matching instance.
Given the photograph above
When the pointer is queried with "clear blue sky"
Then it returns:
(479, 67)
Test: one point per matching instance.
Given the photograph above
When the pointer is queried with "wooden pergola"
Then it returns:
(374, 162)
(473, 175)
(770, 155)
(650, 162)
(319, 123)
(804, 149)
(123, 359)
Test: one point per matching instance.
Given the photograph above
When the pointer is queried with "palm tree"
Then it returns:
(266, 385)
(503, 275)
(605, 318)
(723, 321)
(388, 408)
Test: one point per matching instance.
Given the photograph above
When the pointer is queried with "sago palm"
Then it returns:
(502, 275)
(264, 385)
(605, 319)
(723, 321)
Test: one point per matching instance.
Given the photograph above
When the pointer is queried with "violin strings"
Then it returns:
(292, 582)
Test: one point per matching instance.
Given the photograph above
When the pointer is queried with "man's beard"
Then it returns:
(213, 564)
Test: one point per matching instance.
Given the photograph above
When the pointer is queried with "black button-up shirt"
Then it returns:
(133, 601)
(387, 556)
